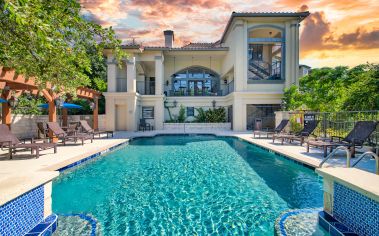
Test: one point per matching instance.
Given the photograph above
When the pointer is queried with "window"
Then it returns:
(148, 112)
(190, 111)
(195, 81)
(265, 55)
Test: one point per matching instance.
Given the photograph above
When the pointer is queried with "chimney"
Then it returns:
(168, 38)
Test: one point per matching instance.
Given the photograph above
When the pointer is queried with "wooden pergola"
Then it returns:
(13, 84)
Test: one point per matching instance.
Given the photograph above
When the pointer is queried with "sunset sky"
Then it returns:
(339, 32)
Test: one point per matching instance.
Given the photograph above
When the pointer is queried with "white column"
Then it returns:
(110, 113)
(288, 55)
(131, 75)
(297, 57)
(240, 74)
(111, 73)
(159, 114)
(159, 74)
(239, 115)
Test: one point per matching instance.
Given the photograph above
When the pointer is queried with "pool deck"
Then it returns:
(21, 173)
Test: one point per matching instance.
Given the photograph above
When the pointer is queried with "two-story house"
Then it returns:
(245, 72)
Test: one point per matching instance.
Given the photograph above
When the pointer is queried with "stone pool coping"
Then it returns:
(358, 180)
(45, 168)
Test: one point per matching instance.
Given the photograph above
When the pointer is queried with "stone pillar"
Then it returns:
(240, 73)
(110, 113)
(47, 199)
(131, 75)
(111, 73)
(239, 115)
(159, 74)
(159, 114)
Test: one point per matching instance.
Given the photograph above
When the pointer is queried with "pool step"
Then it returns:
(333, 226)
(45, 227)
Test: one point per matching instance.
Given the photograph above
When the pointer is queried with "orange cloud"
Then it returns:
(333, 28)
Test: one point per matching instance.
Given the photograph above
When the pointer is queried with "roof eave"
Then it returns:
(300, 15)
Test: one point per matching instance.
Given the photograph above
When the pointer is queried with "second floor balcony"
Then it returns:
(199, 88)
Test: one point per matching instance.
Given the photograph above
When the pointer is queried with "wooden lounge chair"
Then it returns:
(300, 136)
(357, 136)
(9, 140)
(87, 129)
(258, 128)
(62, 135)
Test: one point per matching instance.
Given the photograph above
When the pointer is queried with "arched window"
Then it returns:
(195, 81)
(265, 54)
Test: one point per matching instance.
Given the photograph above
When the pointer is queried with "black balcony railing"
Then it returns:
(146, 87)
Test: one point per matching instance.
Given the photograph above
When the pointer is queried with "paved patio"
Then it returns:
(48, 161)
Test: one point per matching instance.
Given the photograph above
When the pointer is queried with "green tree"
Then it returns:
(336, 89)
(51, 41)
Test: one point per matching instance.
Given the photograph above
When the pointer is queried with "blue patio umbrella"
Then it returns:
(3, 100)
(65, 105)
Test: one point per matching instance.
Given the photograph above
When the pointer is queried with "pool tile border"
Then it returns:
(280, 221)
(92, 156)
(142, 137)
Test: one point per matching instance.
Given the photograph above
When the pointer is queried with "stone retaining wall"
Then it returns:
(25, 125)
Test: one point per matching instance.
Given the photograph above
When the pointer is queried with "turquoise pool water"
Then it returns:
(185, 185)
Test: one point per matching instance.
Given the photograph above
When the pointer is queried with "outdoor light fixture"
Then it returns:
(7, 88)
(92, 105)
(175, 103)
(13, 102)
(167, 83)
(214, 103)
(58, 102)
(225, 81)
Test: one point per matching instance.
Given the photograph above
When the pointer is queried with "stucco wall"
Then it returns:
(26, 125)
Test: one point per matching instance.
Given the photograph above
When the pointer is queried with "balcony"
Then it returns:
(146, 87)
(201, 91)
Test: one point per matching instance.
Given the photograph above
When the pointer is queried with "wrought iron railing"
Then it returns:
(335, 123)
(146, 87)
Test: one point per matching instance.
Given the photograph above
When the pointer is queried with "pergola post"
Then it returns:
(96, 114)
(64, 117)
(52, 118)
(6, 110)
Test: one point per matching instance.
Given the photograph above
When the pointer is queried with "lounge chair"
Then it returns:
(62, 135)
(87, 129)
(42, 130)
(357, 136)
(258, 128)
(9, 140)
(143, 125)
(300, 136)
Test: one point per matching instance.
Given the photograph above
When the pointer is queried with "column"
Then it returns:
(239, 115)
(240, 78)
(96, 114)
(159, 74)
(52, 118)
(288, 55)
(110, 113)
(297, 49)
(159, 114)
(131, 75)
(111, 73)
(6, 110)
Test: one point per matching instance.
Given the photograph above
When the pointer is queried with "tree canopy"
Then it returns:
(336, 89)
(52, 42)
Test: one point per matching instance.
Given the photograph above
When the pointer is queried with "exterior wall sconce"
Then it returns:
(175, 103)
(167, 83)
(92, 106)
(13, 102)
(214, 103)
(58, 102)
(7, 88)
(225, 81)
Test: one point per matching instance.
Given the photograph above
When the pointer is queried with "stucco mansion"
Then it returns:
(246, 72)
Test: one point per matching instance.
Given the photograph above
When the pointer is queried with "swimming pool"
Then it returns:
(186, 185)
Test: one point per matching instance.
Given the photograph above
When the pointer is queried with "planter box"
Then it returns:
(197, 127)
